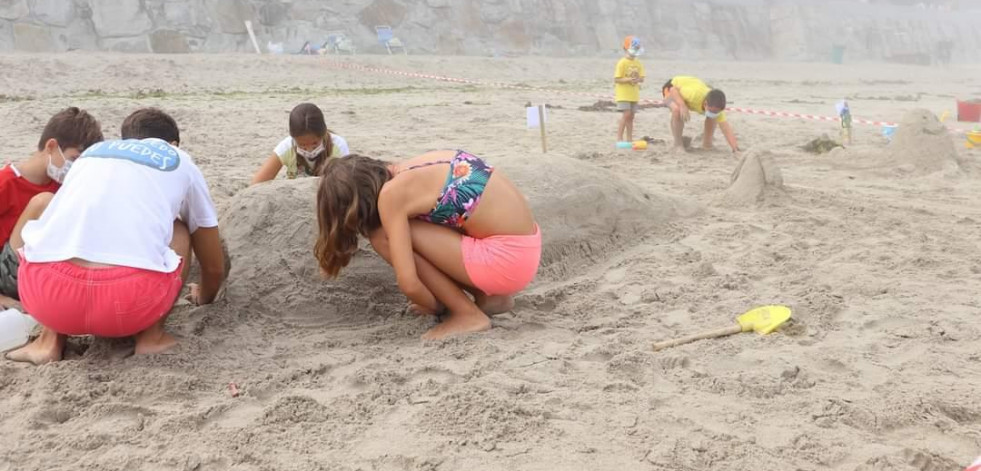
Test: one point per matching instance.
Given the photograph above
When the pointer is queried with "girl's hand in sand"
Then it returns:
(195, 295)
(420, 310)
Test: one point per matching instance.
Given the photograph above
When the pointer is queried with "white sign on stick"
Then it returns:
(533, 116)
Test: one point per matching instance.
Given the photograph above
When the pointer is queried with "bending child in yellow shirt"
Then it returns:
(686, 94)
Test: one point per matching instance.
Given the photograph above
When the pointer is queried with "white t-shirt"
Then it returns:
(118, 204)
(286, 151)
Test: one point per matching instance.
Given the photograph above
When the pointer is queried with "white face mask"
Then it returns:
(310, 155)
(58, 173)
(711, 115)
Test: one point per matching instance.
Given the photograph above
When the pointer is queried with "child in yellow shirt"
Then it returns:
(627, 78)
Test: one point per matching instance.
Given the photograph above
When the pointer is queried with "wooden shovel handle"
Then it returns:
(702, 336)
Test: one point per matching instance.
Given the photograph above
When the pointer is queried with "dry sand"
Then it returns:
(878, 258)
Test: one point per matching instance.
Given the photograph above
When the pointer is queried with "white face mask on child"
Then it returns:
(58, 173)
(310, 155)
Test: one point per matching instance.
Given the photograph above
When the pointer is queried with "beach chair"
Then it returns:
(338, 43)
(387, 38)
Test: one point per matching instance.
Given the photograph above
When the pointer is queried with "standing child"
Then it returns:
(479, 236)
(628, 76)
(67, 134)
(308, 147)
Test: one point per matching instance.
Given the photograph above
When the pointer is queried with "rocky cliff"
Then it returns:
(693, 29)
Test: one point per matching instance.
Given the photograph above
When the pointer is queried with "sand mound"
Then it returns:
(584, 212)
(922, 145)
(269, 231)
(756, 179)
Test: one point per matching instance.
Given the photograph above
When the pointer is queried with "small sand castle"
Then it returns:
(922, 145)
(756, 179)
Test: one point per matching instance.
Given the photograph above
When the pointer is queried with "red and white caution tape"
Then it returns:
(511, 86)
(783, 114)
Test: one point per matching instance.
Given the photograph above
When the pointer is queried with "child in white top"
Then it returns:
(307, 148)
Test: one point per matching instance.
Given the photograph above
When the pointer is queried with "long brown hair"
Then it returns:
(306, 119)
(347, 205)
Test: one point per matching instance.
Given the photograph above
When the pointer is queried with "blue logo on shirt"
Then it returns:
(153, 153)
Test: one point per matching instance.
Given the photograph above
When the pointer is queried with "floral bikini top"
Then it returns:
(461, 193)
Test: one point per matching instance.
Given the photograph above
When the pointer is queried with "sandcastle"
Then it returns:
(756, 179)
(922, 145)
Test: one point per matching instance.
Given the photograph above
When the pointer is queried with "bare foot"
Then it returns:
(679, 149)
(47, 348)
(153, 341)
(458, 324)
(492, 305)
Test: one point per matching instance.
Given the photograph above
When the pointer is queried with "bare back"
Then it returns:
(502, 209)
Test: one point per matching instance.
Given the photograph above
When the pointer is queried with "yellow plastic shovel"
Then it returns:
(762, 320)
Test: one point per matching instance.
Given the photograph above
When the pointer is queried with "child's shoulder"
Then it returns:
(8, 181)
(6, 175)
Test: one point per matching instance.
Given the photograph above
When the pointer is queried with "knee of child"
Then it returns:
(379, 241)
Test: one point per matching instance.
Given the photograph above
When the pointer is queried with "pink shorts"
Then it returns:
(502, 265)
(105, 302)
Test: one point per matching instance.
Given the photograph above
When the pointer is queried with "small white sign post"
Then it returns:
(537, 117)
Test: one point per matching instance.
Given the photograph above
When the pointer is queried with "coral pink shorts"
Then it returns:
(105, 302)
(504, 264)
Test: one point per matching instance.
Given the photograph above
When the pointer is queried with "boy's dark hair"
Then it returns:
(716, 99)
(150, 122)
(307, 119)
(71, 127)
(666, 87)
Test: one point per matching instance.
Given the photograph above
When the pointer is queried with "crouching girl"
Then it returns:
(446, 222)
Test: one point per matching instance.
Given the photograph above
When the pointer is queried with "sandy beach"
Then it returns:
(874, 247)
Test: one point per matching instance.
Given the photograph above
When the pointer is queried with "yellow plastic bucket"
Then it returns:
(973, 139)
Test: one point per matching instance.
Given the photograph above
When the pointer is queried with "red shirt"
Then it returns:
(15, 193)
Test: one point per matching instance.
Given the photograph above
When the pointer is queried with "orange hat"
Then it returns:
(628, 42)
